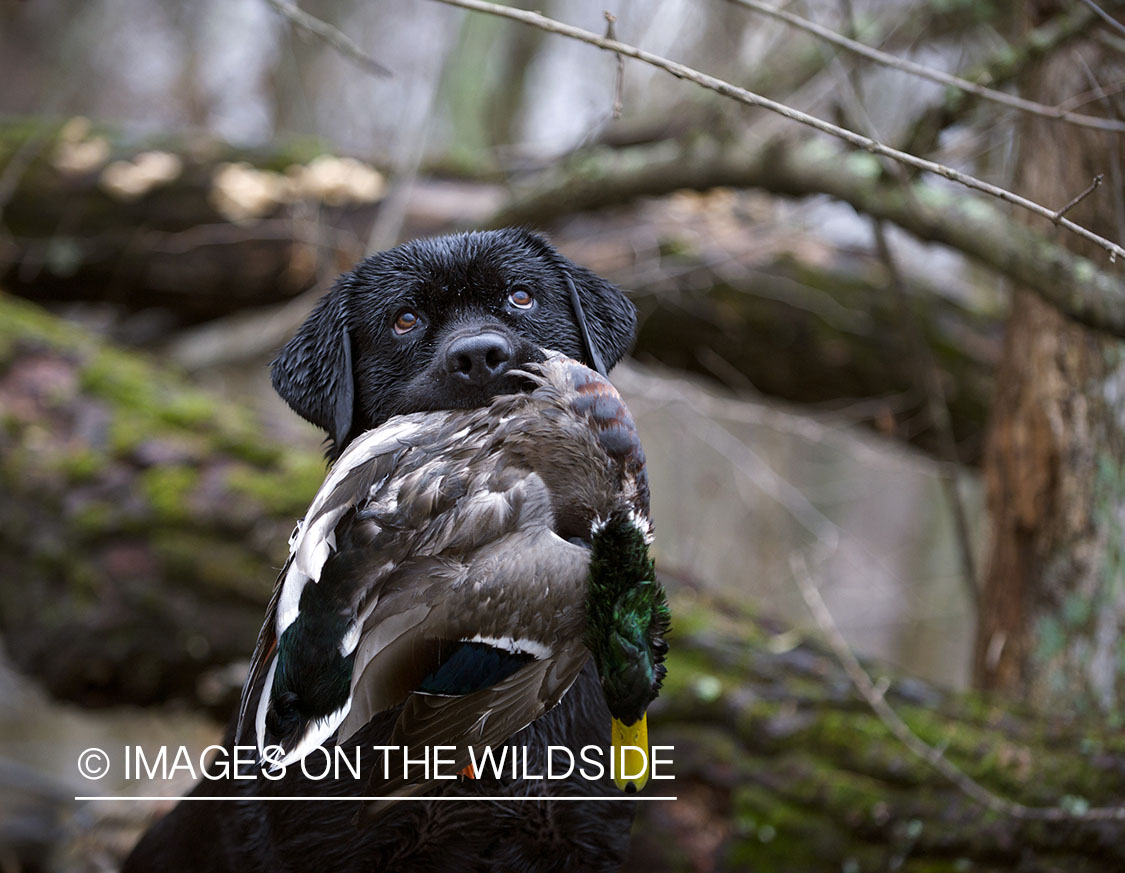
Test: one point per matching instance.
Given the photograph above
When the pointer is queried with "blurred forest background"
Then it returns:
(863, 389)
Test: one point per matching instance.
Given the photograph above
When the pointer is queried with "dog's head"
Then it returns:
(439, 324)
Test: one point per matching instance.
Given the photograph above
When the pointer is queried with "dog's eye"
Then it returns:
(406, 322)
(521, 298)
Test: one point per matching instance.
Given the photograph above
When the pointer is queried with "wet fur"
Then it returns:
(346, 371)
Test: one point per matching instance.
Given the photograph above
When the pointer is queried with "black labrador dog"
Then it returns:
(438, 323)
(433, 324)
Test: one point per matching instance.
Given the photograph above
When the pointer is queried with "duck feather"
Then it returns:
(439, 530)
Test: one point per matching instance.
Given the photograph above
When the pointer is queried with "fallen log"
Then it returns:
(139, 520)
(214, 237)
(781, 765)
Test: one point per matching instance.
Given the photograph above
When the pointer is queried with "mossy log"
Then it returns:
(825, 327)
(831, 334)
(196, 229)
(781, 766)
(140, 520)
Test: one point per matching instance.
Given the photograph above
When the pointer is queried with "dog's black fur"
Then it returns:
(347, 370)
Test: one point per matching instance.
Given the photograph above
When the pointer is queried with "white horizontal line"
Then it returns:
(505, 799)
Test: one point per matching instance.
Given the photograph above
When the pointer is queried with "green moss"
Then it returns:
(202, 559)
(168, 489)
(235, 435)
(774, 834)
(284, 491)
(94, 518)
(7, 349)
(22, 320)
(123, 379)
(187, 409)
(81, 465)
(144, 406)
(127, 430)
(693, 674)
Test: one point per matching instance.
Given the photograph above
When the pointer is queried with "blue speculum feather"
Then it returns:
(471, 667)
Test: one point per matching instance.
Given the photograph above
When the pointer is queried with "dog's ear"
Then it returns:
(313, 371)
(610, 317)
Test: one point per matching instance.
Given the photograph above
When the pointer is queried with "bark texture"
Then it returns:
(1052, 629)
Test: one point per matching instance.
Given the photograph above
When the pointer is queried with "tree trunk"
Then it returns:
(1052, 628)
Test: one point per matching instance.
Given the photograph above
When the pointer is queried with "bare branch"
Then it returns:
(924, 72)
(749, 98)
(1105, 16)
(335, 38)
(1070, 282)
(1079, 198)
(928, 377)
(619, 78)
(1003, 65)
(932, 755)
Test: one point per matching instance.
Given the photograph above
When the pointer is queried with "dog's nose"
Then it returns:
(478, 359)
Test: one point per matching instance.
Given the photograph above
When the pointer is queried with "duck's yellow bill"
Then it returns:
(630, 754)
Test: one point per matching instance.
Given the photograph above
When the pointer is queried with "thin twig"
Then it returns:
(719, 86)
(1078, 199)
(932, 755)
(619, 79)
(335, 38)
(927, 375)
(1105, 16)
(915, 69)
(1097, 92)
(928, 379)
(1003, 65)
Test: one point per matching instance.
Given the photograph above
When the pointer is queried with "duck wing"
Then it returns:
(453, 627)
(480, 634)
(359, 475)
(427, 565)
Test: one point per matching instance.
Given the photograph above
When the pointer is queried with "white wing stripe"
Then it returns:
(513, 644)
(314, 539)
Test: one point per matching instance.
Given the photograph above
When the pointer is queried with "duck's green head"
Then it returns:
(626, 619)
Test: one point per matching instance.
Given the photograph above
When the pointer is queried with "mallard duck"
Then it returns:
(463, 567)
